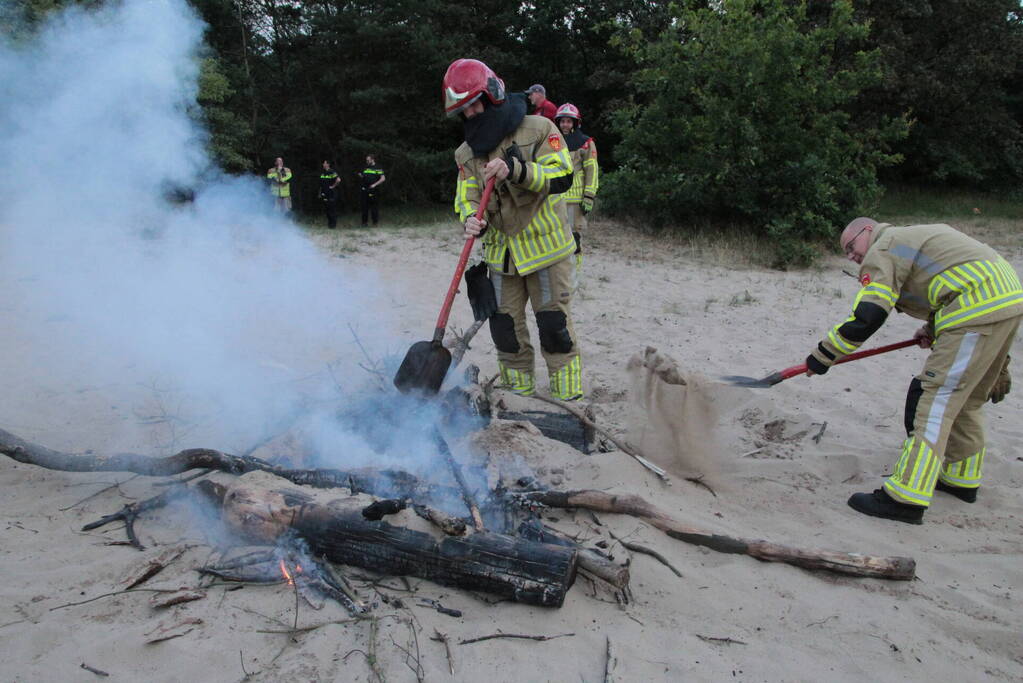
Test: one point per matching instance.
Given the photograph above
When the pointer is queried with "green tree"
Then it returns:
(742, 113)
(953, 68)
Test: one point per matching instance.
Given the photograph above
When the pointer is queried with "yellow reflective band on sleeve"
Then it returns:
(841, 343)
(462, 205)
(880, 291)
(965, 473)
(593, 185)
(915, 473)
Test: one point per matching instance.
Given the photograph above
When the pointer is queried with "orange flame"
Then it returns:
(287, 574)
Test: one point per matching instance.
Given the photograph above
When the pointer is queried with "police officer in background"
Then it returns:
(329, 181)
(973, 303)
(527, 242)
(372, 178)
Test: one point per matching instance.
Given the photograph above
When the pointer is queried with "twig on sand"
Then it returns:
(609, 663)
(726, 641)
(93, 670)
(443, 638)
(817, 437)
(637, 548)
(520, 636)
(107, 595)
(623, 446)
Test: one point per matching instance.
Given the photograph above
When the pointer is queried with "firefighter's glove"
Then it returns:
(815, 366)
(516, 164)
(587, 205)
(1002, 385)
(578, 242)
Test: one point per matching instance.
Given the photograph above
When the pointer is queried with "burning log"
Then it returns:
(900, 568)
(526, 571)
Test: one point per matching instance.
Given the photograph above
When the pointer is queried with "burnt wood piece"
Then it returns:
(130, 512)
(525, 571)
(563, 427)
(593, 561)
(456, 472)
(383, 483)
(855, 564)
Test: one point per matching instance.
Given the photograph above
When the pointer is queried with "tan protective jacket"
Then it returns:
(526, 224)
(933, 273)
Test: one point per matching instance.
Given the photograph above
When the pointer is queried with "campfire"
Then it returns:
(459, 525)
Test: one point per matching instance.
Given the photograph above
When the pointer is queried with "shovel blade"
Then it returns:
(481, 292)
(753, 382)
(424, 368)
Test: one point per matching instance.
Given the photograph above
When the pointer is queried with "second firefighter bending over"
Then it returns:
(973, 304)
(586, 179)
(527, 243)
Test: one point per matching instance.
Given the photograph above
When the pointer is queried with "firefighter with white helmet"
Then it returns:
(527, 241)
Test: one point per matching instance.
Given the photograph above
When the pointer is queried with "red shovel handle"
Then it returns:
(801, 369)
(445, 310)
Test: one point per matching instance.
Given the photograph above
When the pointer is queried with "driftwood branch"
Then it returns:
(460, 343)
(383, 483)
(900, 568)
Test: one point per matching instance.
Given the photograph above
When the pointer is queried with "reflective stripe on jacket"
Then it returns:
(933, 273)
(279, 185)
(586, 180)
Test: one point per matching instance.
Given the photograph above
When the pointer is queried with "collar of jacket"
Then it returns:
(485, 131)
(576, 139)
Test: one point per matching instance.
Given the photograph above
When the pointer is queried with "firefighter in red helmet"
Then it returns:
(586, 180)
(527, 241)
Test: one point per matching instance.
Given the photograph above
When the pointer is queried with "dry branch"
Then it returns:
(901, 568)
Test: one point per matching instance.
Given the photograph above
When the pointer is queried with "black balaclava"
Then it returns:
(484, 131)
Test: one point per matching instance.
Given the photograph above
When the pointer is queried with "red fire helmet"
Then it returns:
(568, 111)
(466, 81)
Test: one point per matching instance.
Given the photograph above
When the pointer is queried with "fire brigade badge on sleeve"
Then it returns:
(554, 141)
(865, 279)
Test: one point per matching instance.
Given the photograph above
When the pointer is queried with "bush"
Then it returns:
(741, 114)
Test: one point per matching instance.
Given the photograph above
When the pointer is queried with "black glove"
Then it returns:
(512, 155)
(578, 242)
(817, 367)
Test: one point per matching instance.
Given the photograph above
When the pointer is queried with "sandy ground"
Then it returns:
(728, 616)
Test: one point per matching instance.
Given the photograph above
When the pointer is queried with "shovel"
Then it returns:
(427, 362)
(781, 375)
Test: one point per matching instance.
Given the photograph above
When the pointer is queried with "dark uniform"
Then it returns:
(328, 193)
(369, 196)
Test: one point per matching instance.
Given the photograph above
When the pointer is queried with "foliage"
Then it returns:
(742, 112)
(954, 68)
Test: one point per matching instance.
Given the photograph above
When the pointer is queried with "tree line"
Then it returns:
(784, 116)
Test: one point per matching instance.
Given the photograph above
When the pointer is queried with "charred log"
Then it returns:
(525, 571)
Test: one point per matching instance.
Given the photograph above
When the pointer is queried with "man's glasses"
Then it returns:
(849, 244)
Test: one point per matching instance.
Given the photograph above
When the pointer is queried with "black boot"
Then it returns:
(964, 494)
(880, 504)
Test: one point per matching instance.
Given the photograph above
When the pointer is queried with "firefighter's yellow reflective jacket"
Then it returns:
(527, 222)
(280, 185)
(933, 273)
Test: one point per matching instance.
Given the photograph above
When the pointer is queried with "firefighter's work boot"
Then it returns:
(967, 495)
(880, 504)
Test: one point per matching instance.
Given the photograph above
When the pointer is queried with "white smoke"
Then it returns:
(107, 291)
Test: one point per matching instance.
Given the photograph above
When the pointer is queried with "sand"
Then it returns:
(728, 616)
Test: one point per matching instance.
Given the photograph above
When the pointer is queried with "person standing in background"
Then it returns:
(586, 178)
(329, 181)
(542, 106)
(372, 178)
(279, 176)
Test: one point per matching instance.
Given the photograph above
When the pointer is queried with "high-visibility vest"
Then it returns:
(279, 183)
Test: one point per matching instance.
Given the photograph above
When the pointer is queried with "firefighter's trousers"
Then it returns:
(943, 411)
(549, 291)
